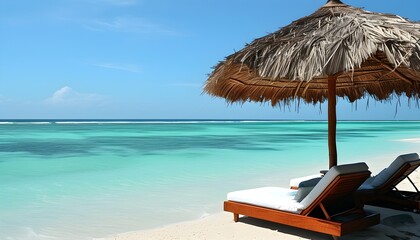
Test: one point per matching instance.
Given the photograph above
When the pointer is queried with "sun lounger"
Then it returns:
(317, 211)
(381, 189)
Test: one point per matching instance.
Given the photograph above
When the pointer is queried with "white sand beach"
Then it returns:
(394, 225)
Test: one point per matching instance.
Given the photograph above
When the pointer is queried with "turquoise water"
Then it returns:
(87, 180)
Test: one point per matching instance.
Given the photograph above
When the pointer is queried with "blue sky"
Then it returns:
(148, 58)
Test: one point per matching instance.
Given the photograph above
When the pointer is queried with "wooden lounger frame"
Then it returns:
(387, 195)
(341, 187)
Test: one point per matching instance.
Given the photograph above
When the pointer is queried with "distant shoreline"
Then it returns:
(121, 121)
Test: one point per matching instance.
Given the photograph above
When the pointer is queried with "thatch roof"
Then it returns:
(372, 54)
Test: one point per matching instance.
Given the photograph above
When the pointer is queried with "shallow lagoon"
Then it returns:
(83, 180)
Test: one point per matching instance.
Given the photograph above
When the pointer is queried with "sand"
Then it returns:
(394, 225)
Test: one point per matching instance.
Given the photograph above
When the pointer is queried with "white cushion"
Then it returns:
(367, 185)
(302, 192)
(381, 178)
(387, 173)
(401, 160)
(329, 177)
(294, 182)
(269, 197)
(283, 198)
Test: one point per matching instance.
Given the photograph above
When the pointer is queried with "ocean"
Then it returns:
(91, 179)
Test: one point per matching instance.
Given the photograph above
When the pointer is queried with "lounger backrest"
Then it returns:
(339, 181)
(399, 169)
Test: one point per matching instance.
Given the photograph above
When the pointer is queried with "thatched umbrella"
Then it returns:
(339, 50)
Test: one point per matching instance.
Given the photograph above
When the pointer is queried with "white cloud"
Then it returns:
(61, 94)
(66, 96)
(4, 99)
(129, 25)
(123, 67)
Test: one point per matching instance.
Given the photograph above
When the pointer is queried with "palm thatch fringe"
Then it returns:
(370, 53)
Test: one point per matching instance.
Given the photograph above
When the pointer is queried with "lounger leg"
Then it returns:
(235, 217)
(336, 237)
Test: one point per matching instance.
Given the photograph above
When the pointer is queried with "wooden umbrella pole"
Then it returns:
(332, 120)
